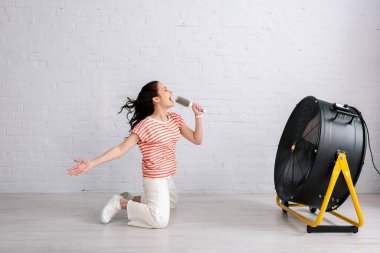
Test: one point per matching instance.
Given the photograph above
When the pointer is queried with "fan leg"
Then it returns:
(286, 203)
(312, 209)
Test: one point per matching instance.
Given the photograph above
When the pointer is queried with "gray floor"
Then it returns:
(201, 223)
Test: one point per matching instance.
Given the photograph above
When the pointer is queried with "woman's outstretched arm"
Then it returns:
(112, 154)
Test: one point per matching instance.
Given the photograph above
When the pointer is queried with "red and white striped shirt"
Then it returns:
(157, 145)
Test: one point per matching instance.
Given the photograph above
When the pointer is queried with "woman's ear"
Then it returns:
(156, 99)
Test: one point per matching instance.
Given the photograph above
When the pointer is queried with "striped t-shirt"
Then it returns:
(157, 145)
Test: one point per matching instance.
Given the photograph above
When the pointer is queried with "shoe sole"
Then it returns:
(101, 217)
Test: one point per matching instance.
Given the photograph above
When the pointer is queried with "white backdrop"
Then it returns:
(66, 68)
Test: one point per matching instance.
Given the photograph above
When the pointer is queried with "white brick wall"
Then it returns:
(66, 67)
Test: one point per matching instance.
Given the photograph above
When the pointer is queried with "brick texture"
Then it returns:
(66, 68)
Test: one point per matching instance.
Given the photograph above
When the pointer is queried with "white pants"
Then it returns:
(154, 209)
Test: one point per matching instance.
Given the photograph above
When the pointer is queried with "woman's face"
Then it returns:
(165, 96)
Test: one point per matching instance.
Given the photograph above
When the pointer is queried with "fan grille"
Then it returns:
(297, 148)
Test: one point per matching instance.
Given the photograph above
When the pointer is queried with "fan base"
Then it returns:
(341, 166)
(332, 229)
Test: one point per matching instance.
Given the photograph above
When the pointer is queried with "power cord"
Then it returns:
(369, 142)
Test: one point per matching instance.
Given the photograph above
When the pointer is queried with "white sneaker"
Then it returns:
(110, 209)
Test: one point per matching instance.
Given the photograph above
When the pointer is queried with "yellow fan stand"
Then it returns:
(341, 166)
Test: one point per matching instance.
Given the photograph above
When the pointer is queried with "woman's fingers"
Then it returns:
(74, 171)
(80, 168)
(197, 107)
(72, 168)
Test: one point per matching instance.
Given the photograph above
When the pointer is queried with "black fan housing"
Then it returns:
(316, 130)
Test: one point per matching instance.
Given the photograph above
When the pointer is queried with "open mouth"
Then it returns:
(171, 99)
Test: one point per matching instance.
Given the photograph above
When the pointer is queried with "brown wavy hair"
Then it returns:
(142, 106)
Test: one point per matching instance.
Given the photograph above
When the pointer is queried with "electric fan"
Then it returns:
(319, 141)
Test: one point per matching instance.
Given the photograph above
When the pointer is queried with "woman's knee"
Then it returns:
(160, 219)
(160, 224)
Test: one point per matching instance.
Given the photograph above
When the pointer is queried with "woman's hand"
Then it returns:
(197, 109)
(82, 167)
(196, 135)
(113, 153)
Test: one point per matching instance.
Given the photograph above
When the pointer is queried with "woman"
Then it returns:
(156, 131)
